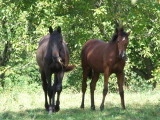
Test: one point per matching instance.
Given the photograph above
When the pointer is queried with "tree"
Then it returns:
(24, 22)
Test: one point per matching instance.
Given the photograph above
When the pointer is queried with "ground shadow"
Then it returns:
(145, 112)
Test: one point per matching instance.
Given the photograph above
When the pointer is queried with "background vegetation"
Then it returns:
(24, 22)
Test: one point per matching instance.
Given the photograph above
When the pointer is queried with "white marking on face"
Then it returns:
(123, 39)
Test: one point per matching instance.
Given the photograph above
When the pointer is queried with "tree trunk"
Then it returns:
(5, 56)
(147, 72)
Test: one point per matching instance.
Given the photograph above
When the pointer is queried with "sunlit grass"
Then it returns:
(24, 103)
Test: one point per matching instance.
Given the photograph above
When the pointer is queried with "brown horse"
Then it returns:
(53, 57)
(101, 57)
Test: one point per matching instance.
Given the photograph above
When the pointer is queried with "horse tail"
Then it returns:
(90, 74)
(69, 68)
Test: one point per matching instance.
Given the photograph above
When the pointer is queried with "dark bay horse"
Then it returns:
(53, 57)
(101, 57)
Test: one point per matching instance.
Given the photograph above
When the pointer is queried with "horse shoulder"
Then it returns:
(65, 52)
(44, 40)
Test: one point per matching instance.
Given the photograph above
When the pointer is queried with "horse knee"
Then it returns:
(105, 90)
(58, 88)
(84, 86)
(45, 86)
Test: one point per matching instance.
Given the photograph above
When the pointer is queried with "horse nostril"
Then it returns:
(55, 59)
(122, 55)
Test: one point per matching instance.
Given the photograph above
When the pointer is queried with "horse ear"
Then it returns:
(129, 33)
(59, 29)
(116, 30)
(122, 29)
(50, 30)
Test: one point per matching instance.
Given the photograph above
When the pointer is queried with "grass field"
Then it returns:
(24, 103)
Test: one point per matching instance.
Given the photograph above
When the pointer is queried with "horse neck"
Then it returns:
(114, 47)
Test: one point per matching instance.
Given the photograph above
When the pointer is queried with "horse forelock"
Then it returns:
(115, 36)
(56, 36)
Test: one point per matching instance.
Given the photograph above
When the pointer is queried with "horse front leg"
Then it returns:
(120, 79)
(53, 92)
(92, 88)
(52, 105)
(59, 78)
(49, 87)
(44, 85)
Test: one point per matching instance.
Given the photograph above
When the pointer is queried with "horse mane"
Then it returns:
(114, 37)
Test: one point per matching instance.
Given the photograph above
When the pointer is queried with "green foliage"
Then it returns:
(24, 22)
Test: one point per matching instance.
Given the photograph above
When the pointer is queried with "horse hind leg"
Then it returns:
(84, 85)
(49, 90)
(120, 79)
(59, 78)
(57, 107)
(92, 88)
(105, 90)
(45, 87)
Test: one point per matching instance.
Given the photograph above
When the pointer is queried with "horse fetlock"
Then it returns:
(46, 106)
(93, 107)
(123, 105)
(51, 110)
(82, 106)
(57, 108)
(102, 107)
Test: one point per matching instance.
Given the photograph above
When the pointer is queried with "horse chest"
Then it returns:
(117, 67)
(55, 67)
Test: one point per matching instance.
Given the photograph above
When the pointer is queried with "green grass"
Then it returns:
(25, 103)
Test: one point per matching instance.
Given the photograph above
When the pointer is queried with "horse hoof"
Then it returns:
(101, 107)
(47, 107)
(57, 108)
(51, 110)
(93, 107)
(82, 106)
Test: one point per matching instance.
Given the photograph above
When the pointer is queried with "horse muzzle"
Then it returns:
(122, 55)
(56, 59)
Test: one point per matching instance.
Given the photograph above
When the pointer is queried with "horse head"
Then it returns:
(122, 40)
(56, 45)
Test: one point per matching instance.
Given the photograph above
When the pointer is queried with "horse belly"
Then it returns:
(94, 51)
(55, 67)
(96, 64)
